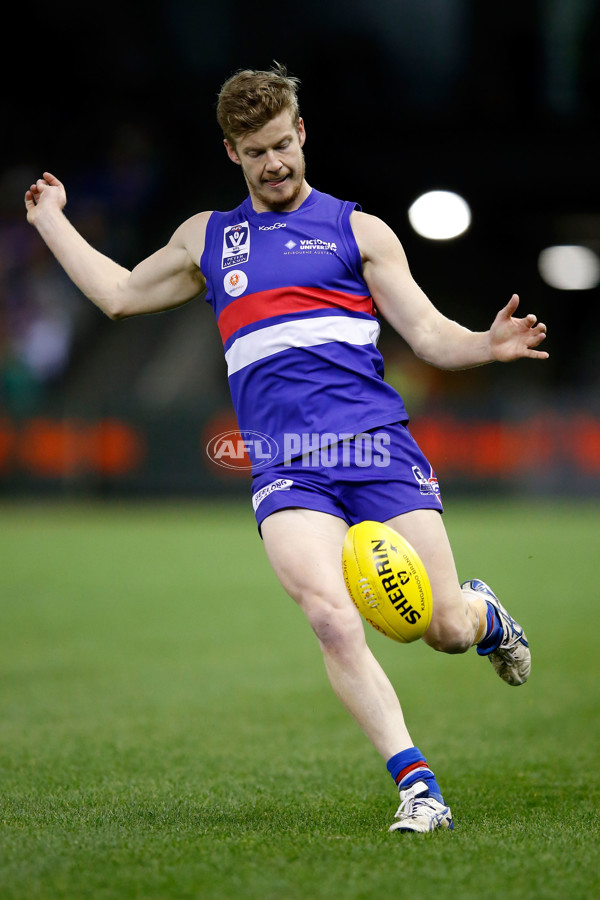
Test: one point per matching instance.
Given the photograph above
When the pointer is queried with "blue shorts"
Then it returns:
(375, 475)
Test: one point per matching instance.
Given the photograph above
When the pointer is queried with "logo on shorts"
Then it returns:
(236, 245)
(282, 484)
(427, 485)
(235, 283)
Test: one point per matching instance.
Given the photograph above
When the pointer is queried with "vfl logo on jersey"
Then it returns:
(236, 245)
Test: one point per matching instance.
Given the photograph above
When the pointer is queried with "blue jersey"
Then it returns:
(298, 324)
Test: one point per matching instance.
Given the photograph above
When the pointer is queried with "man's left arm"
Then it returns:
(431, 335)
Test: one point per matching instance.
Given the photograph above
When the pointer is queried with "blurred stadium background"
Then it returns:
(497, 102)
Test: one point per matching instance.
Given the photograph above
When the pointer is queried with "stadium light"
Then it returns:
(569, 267)
(440, 215)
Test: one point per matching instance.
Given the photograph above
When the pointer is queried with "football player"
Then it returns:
(295, 277)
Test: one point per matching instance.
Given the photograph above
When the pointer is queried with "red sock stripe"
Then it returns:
(417, 765)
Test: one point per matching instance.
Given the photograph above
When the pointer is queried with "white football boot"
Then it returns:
(420, 812)
(512, 658)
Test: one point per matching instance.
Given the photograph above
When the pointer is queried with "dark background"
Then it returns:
(499, 102)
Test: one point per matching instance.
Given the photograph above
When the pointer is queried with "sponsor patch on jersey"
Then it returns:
(236, 245)
(282, 484)
(235, 283)
(310, 245)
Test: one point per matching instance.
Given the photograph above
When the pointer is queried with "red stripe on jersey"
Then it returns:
(280, 301)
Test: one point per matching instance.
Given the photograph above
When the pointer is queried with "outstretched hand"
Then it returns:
(47, 191)
(512, 338)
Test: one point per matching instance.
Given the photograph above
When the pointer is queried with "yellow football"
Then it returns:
(387, 581)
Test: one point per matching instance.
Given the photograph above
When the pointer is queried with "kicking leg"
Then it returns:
(459, 616)
(465, 614)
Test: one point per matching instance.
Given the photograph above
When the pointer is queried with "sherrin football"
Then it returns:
(387, 581)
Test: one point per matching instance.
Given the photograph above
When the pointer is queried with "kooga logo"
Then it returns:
(272, 227)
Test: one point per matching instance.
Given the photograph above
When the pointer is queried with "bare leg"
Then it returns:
(459, 616)
(305, 550)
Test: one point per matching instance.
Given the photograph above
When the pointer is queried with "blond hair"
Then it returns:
(252, 97)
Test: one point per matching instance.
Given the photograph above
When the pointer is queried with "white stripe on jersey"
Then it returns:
(309, 332)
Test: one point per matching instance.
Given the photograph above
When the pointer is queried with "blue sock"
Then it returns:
(493, 634)
(410, 766)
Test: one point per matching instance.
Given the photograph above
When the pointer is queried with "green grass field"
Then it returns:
(167, 729)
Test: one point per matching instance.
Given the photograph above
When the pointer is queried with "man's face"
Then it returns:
(273, 163)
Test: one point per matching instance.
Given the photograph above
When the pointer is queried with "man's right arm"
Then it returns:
(166, 279)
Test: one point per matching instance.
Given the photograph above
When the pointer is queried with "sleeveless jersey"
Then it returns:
(298, 324)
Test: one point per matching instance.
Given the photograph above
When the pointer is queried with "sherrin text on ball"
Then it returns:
(387, 581)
